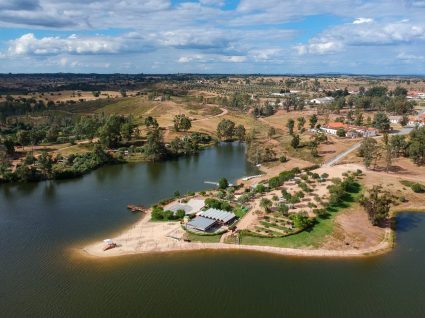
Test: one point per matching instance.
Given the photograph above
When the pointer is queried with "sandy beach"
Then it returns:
(156, 237)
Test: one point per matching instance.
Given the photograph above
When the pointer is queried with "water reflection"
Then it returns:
(49, 191)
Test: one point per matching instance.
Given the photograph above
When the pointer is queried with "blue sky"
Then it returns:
(213, 36)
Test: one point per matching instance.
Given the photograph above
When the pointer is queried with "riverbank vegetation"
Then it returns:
(157, 118)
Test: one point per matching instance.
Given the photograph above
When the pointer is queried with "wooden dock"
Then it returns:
(136, 208)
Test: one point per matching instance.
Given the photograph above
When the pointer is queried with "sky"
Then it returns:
(213, 36)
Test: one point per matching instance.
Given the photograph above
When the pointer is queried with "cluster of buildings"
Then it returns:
(204, 221)
(413, 121)
(415, 95)
(351, 131)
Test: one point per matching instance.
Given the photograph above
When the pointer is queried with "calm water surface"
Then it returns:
(41, 277)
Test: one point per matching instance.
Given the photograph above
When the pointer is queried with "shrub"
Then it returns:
(217, 204)
(302, 221)
(223, 183)
(275, 182)
(325, 175)
(180, 214)
(261, 188)
(418, 188)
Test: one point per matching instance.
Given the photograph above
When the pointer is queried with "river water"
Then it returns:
(41, 275)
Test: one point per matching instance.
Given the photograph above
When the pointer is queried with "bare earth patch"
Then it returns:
(353, 230)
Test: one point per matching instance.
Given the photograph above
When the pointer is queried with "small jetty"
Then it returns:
(136, 208)
(216, 183)
(252, 177)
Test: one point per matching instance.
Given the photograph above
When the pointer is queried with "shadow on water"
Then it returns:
(406, 222)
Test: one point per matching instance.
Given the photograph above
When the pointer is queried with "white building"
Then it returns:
(322, 100)
(395, 119)
(350, 130)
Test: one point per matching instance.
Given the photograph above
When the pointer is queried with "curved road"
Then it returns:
(335, 160)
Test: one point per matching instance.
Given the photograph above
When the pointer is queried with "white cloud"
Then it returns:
(218, 3)
(362, 20)
(192, 38)
(266, 54)
(408, 57)
(320, 47)
(28, 44)
(364, 34)
(211, 58)
(253, 36)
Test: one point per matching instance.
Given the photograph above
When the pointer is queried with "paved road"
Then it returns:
(335, 160)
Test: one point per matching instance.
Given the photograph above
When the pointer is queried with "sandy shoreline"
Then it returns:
(147, 237)
(95, 250)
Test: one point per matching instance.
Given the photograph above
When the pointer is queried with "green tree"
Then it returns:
(377, 203)
(417, 146)
(301, 123)
(223, 183)
(340, 132)
(368, 149)
(126, 131)
(359, 119)
(240, 132)
(290, 125)
(225, 129)
(295, 142)
(151, 122)
(10, 146)
(313, 121)
(266, 204)
(154, 147)
(302, 221)
(181, 122)
(45, 162)
(52, 134)
(398, 144)
(400, 91)
(110, 133)
(404, 120)
(180, 214)
(381, 122)
(87, 126)
(23, 138)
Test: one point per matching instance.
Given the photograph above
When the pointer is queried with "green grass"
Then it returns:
(310, 237)
(275, 225)
(204, 238)
(86, 107)
(76, 149)
(136, 106)
(415, 186)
